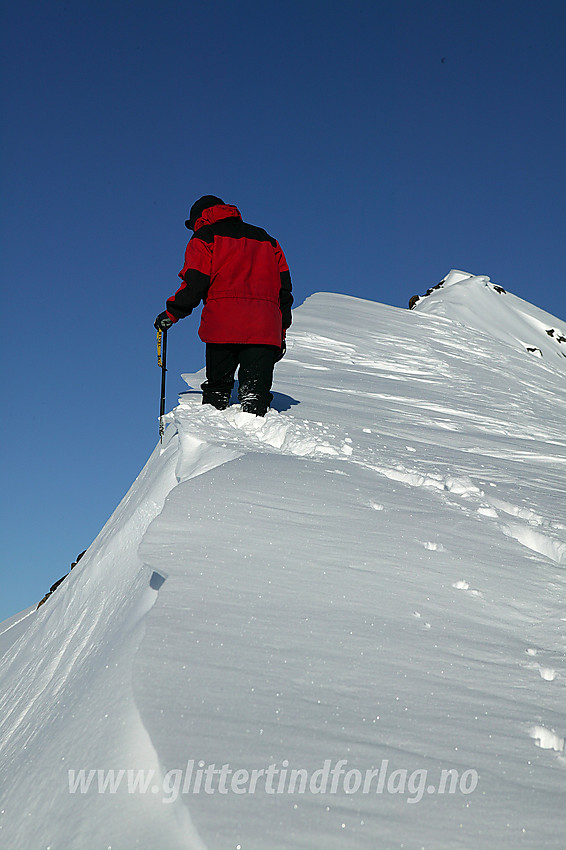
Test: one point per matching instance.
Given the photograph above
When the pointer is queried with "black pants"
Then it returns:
(255, 375)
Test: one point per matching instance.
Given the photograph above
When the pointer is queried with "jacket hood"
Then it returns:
(216, 213)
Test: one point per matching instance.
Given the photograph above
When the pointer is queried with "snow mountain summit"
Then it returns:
(339, 627)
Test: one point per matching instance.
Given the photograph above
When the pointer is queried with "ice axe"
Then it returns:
(162, 363)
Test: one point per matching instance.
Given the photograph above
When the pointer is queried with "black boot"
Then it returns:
(219, 400)
(254, 405)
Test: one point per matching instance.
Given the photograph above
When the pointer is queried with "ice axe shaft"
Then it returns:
(162, 363)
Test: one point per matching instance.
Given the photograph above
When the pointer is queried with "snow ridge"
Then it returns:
(475, 301)
(373, 572)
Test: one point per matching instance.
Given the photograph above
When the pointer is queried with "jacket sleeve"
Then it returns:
(285, 296)
(195, 275)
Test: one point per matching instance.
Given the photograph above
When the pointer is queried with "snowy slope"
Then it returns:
(371, 578)
(469, 299)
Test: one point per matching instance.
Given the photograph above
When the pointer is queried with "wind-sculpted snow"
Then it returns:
(66, 694)
(238, 432)
(369, 580)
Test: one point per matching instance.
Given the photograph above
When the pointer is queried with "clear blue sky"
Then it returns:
(382, 143)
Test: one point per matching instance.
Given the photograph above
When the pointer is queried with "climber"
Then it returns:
(240, 273)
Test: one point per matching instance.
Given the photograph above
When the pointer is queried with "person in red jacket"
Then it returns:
(240, 273)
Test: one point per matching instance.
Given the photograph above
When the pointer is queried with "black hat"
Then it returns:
(199, 207)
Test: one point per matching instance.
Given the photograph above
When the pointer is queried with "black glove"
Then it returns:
(281, 352)
(163, 322)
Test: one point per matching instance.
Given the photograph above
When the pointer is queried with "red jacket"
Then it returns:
(241, 275)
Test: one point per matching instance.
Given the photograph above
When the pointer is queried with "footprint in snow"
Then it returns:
(418, 616)
(463, 585)
(547, 673)
(461, 486)
(434, 547)
(547, 739)
(484, 510)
